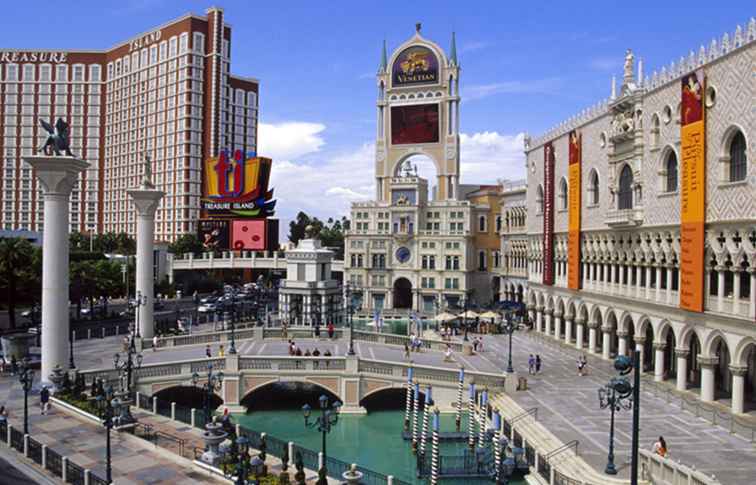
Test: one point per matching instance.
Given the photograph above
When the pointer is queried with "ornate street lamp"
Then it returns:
(243, 462)
(616, 395)
(214, 383)
(109, 407)
(349, 317)
(226, 320)
(71, 363)
(139, 301)
(509, 327)
(132, 360)
(329, 416)
(26, 378)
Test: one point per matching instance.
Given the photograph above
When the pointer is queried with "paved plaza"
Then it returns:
(567, 406)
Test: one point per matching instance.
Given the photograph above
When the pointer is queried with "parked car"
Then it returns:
(207, 308)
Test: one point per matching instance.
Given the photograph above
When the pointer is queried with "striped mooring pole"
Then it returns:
(414, 417)
(497, 443)
(409, 400)
(426, 412)
(482, 419)
(460, 391)
(434, 451)
(471, 417)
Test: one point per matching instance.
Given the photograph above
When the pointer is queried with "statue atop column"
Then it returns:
(147, 177)
(629, 61)
(58, 138)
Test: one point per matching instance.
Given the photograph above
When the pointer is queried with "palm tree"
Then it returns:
(15, 257)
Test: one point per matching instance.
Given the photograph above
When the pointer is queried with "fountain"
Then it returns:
(213, 436)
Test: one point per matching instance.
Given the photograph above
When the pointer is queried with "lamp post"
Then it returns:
(132, 360)
(109, 408)
(509, 328)
(71, 363)
(615, 395)
(26, 378)
(349, 288)
(214, 383)
(464, 317)
(242, 469)
(139, 300)
(227, 320)
(329, 416)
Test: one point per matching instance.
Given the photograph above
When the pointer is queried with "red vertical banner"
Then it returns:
(548, 214)
(573, 235)
(692, 191)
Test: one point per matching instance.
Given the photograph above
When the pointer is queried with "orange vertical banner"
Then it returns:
(573, 235)
(692, 191)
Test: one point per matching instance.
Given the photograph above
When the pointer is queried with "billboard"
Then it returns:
(692, 191)
(573, 205)
(237, 186)
(548, 214)
(415, 65)
(414, 124)
(214, 234)
(249, 234)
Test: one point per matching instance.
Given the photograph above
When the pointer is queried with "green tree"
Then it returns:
(16, 258)
(186, 244)
(297, 227)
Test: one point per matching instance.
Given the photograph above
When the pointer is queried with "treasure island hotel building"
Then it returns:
(166, 94)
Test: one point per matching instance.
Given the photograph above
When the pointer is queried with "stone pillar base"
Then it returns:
(352, 410)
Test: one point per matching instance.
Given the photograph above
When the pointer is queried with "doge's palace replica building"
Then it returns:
(642, 222)
(411, 248)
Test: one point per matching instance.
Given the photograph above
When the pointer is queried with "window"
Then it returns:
(481, 260)
(593, 188)
(738, 158)
(654, 131)
(671, 168)
(625, 188)
(498, 223)
(482, 223)
(563, 194)
(539, 200)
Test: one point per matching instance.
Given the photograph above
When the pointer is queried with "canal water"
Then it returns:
(373, 440)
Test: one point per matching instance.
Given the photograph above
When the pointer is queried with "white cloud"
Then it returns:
(489, 156)
(473, 46)
(286, 141)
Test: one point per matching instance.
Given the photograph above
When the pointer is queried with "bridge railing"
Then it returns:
(401, 340)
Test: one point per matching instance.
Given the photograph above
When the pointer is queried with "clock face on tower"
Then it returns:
(403, 254)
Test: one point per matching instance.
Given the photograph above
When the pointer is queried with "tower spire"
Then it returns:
(453, 50)
(384, 62)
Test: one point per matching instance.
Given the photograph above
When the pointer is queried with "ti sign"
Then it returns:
(237, 186)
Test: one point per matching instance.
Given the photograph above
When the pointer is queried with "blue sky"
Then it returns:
(525, 67)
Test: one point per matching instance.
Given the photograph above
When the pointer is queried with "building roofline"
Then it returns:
(244, 78)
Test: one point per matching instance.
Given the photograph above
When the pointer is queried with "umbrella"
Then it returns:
(489, 314)
(444, 317)
(468, 314)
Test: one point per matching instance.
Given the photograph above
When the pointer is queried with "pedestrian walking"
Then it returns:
(154, 343)
(285, 331)
(221, 351)
(317, 330)
(331, 330)
(406, 350)
(538, 364)
(581, 364)
(660, 447)
(14, 365)
(475, 344)
(44, 400)
(208, 353)
(448, 354)
(480, 344)
(531, 364)
(3, 414)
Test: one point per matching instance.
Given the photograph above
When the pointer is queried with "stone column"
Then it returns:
(659, 348)
(612, 276)
(707, 377)
(736, 289)
(738, 387)
(593, 275)
(585, 275)
(648, 281)
(557, 325)
(682, 368)
(670, 269)
(580, 337)
(606, 342)
(638, 280)
(720, 287)
(621, 343)
(658, 283)
(752, 306)
(57, 176)
(539, 319)
(146, 200)
(639, 342)
(592, 337)
(548, 312)
(568, 329)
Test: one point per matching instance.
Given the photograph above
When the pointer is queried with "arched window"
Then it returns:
(482, 224)
(482, 260)
(671, 168)
(563, 194)
(738, 159)
(655, 130)
(539, 199)
(593, 188)
(625, 188)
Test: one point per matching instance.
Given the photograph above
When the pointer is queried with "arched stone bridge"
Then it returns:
(350, 378)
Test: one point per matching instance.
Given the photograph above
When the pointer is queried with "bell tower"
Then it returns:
(418, 113)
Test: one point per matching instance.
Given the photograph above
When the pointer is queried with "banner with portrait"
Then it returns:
(548, 214)
(573, 205)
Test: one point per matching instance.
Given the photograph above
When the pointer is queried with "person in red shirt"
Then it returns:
(331, 330)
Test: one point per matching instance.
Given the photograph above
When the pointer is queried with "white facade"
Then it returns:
(630, 239)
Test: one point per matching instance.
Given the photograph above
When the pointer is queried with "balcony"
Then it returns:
(624, 217)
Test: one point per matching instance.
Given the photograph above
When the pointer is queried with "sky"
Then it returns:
(525, 66)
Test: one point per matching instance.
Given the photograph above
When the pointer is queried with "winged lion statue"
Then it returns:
(58, 141)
